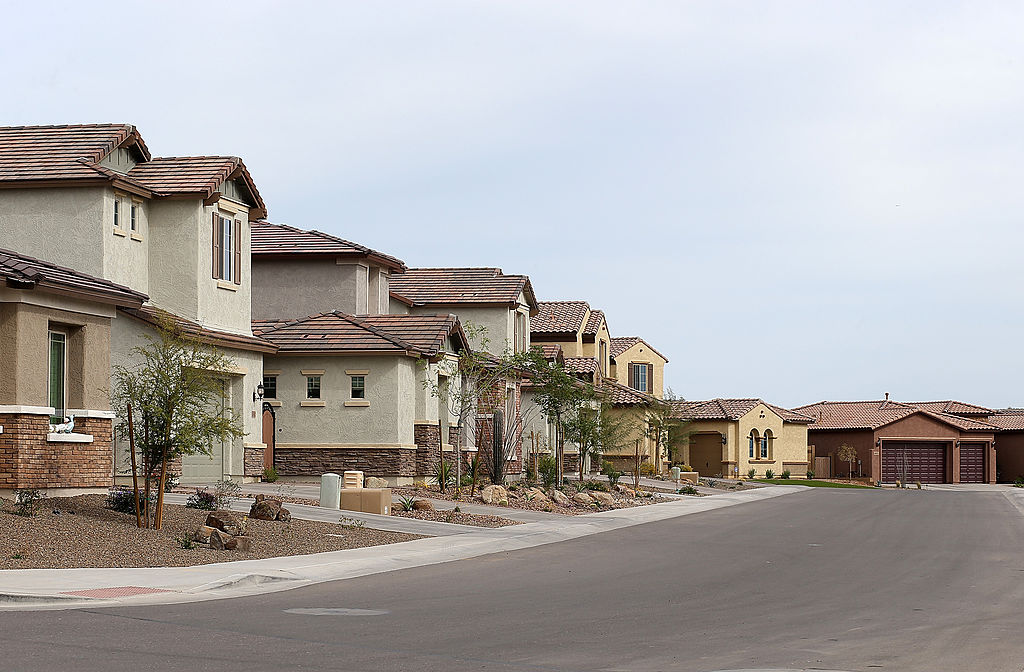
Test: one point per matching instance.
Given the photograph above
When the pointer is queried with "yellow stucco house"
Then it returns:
(729, 437)
(637, 365)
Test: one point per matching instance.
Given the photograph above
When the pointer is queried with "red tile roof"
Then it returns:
(21, 271)
(857, 415)
(340, 333)
(156, 316)
(474, 286)
(270, 240)
(72, 155)
(952, 407)
(581, 365)
(559, 317)
(550, 350)
(731, 409)
(622, 343)
(594, 323)
(1008, 419)
(622, 395)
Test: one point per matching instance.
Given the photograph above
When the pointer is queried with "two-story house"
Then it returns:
(636, 364)
(92, 198)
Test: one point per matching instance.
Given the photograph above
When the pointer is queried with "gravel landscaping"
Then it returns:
(87, 534)
(457, 517)
(520, 497)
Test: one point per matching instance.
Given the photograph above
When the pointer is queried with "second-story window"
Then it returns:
(270, 387)
(134, 217)
(359, 387)
(117, 213)
(312, 387)
(227, 248)
(640, 376)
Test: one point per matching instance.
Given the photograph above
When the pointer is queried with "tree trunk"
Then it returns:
(135, 473)
(146, 468)
(636, 468)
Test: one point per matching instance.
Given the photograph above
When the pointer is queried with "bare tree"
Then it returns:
(847, 453)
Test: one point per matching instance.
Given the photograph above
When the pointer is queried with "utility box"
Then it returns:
(375, 500)
(330, 487)
(675, 473)
(350, 499)
(353, 479)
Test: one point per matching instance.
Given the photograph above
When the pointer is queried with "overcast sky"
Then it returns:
(791, 200)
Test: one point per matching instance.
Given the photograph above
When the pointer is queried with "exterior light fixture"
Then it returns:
(724, 440)
(257, 395)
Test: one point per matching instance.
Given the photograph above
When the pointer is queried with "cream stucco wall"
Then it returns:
(594, 349)
(62, 226)
(641, 353)
(282, 288)
(788, 450)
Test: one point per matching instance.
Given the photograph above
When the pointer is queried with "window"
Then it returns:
(359, 387)
(227, 248)
(604, 357)
(312, 387)
(755, 442)
(639, 377)
(520, 332)
(766, 444)
(117, 213)
(58, 373)
(270, 387)
(134, 217)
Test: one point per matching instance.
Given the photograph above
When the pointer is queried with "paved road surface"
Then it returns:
(824, 579)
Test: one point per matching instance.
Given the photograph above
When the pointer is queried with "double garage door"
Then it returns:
(911, 462)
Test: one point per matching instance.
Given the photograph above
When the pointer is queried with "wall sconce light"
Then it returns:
(878, 443)
(724, 440)
(257, 395)
(958, 443)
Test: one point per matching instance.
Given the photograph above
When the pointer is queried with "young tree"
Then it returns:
(174, 392)
(561, 397)
(847, 453)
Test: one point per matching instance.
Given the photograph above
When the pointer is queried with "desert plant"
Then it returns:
(751, 473)
(647, 469)
(613, 474)
(26, 501)
(531, 473)
(709, 482)
(225, 492)
(810, 473)
(202, 499)
(595, 485)
(548, 467)
(687, 490)
(184, 540)
(406, 503)
(444, 475)
(1019, 483)
(270, 474)
(769, 474)
(466, 480)
(785, 474)
(685, 467)
(473, 468)
(122, 500)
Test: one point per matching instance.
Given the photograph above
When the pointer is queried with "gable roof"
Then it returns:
(871, 415)
(71, 155)
(280, 240)
(594, 322)
(1008, 418)
(622, 343)
(472, 286)
(623, 395)
(586, 365)
(20, 271)
(157, 316)
(559, 317)
(953, 407)
(731, 409)
(340, 333)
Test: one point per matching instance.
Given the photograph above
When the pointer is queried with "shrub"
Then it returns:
(202, 499)
(647, 469)
(531, 473)
(1019, 483)
(225, 491)
(171, 481)
(685, 467)
(751, 473)
(122, 499)
(710, 482)
(444, 475)
(810, 473)
(548, 467)
(769, 474)
(26, 501)
(609, 470)
(406, 503)
(270, 474)
(466, 480)
(687, 490)
(595, 485)
(785, 474)
(185, 541)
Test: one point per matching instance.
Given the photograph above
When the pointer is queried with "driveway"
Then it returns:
(823, 579)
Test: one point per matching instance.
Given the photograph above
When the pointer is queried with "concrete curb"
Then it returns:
(30, 588)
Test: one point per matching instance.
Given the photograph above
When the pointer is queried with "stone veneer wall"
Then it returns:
(427, 439)
(253, 462)
(28, 460)
(372, 461)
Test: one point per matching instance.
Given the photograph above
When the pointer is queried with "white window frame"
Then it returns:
(133, 216)
(62, 409)
(117, 213)
(637, 368)
(352, 387)
(319, 387)
(227, 248)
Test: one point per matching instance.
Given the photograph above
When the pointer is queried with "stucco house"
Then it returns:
(55, 364)
(636, 364)
(580, 331)
(928, 442)
(359, 392)
(1009, 444)
(728, 437)
(92, 198)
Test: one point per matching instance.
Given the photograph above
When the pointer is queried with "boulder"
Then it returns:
(265, 509)
(626, 490)
(284, 515)
(537, 494)
(583, 498)
(561, 498)
(219, 540)
(422, 505)
(603, 498)
(227, 521)
(241, 544)
(203, 533)
(494, 494)
(374, 482)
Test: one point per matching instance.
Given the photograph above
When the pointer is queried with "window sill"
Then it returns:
(55, 437)
(272, 402)
(357, 402)
(137, 237)
(761, 461)
(313, 403)
(224, 284)
(120, 232)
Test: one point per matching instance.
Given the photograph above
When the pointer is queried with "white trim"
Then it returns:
(357, 372)
(362, 403)
(137, 237)
(228, 285)
(276, 403)
(55, 437)
(271, 372)
(312, 372)
(28, 410)
(261, 446)
(120, 232)
(88, 413)
(312, 403)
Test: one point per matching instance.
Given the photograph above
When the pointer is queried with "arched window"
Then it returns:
(755, 442)
(766, 444)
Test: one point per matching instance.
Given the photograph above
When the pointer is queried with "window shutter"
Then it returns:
(216, 245)
(238, 251)
(631, 374)
(650, 378)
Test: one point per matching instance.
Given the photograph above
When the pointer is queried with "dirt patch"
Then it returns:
(457, 517)
(87, 534)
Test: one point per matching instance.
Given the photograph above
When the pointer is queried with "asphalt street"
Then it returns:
(824, 579)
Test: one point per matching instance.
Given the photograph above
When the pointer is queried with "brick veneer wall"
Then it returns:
(253, 462)
(28, 460)
(314, 461)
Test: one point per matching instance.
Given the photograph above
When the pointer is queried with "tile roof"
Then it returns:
(157, 316)
(952, 407)
(477, 286)
(594, 323)
(622, 343)
(340, 333)
(549, 351)
(622, 395)
(20, 271)
(73, 154)
(1008, 418)
(581, 365)
(559, 317)
(854, 415)
(269, 239)
(731, 409)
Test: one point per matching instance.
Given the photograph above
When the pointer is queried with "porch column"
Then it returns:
(956, 462)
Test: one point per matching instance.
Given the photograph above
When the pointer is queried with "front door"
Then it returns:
(269, 427)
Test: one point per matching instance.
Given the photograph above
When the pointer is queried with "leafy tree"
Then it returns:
(847, 453)
(172, 396)
(563, 398)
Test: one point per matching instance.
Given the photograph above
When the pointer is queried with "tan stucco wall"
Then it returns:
(789, 449)
(219, 308)
(63, 226)
(594, 349)
(282, 288)
(498, 323)
(641, 353)
(126, 256)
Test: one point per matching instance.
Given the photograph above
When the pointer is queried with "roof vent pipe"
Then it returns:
(887, 396)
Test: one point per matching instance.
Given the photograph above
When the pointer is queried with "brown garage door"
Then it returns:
(972, 462)
(706, 454)
(911, 462)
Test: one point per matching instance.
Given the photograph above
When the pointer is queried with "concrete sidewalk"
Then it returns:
(50, 588)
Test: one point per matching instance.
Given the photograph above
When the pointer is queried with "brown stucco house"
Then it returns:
(927, 442)
(55, 364)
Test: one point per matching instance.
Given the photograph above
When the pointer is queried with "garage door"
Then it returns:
(972, 462)
(706, 454)
(911, 462)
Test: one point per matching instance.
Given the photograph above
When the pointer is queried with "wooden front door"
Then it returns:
(269, 428)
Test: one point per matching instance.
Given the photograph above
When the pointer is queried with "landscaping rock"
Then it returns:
(494, 494)
(265, 509)
(227, 521)
(626, 490)
(241, 544)
(203, 533)
(583, 498)
(561, 498)
(537, 494)
(603, 498)
(284, 515)
(219, 540)
(422, 505)
(374, 482)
